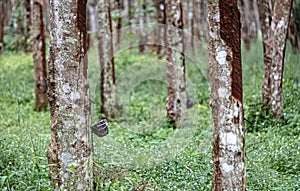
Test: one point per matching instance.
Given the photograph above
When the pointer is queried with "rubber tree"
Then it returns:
(176, 100)
(70, 151)
(107, 84)
(39, 54)
(275, 53)
(226, 95)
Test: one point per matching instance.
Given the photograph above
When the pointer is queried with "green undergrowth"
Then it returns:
(141, 152)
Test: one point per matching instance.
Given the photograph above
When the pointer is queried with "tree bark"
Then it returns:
(2, 5)
(27, 23)
(176, 100)
(293, 33)
(196, 19)
(70, 152)
(107, 85)
(225, 72)
(161, 30)
(39, 55)
(265, 17)
(275, 54)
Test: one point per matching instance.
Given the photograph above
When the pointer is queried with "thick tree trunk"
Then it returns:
(107, 85)
(275, 54)
(39, 55)
(70, 152)
(176, 100)
(226, 95)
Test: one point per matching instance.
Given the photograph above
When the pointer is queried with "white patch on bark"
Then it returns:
(226, 167)
(217, 17)
(212, 34)
(229, 139)
(68, 124)
(221, 56)
(223, 93)
(66, 88)
(75, 96)
(281, 23)
(65, 157)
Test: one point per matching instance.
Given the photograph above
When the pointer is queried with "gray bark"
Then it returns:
(2, 5)
(39, 54)
(275, 53)
(107, 85)
(265, 17)
(176, 100)
(70, 152)
(226, 95)
(27, 23)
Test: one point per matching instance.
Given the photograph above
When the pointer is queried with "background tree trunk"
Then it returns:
(107, 85)
(292, 32)
(70, 151)
(176, 100)
(2, 6)
(226, 95)
(275, 53)
(265, 17)
(39, 55)
(27, 24)
(161, 33)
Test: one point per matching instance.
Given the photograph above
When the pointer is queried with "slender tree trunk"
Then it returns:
(70, 152)
(142, 22)
(265, 17)
(176, 100)
(120, 7)
(27, 24)
(292, 32)
(203, 21)
(275, 53)
(161, 20)
(107, 85)
(226, 95)
(196, 19)
(2, 6)
(245, 24)
(39, 55)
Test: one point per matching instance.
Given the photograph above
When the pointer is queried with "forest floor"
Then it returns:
(141, 152)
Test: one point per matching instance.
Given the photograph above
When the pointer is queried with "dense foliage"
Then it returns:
(273, 146)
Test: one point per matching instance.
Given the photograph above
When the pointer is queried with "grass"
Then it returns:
(140, 152)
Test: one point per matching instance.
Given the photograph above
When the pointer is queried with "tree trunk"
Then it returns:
(293, 33)
(107, 85)
(161, 33)
(142, 22)
(39, 55)
(275, 53)
(245, 24)
(226, 95)
(27, 24)
(176, 100)
(2, 4)
(196, 19)
(120, 7)
(265, 9)
(70, 152)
